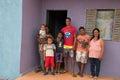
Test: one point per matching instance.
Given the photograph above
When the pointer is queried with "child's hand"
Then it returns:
(40, 49)
(86, 56)
(44, 52)
(44, 58)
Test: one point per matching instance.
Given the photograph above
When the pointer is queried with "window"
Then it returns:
(107, 20)
(104, 21)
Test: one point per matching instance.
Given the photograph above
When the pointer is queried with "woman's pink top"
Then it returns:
(95, 48)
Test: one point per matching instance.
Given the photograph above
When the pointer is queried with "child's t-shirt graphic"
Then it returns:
(69, 33)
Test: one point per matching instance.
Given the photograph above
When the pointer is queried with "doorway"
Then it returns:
(56, 20)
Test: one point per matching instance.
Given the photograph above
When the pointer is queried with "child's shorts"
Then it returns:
(49, 61)
(58, 57)
(81, 57)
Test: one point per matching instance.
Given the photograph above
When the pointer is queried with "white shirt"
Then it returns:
(49, 49)
(43, 33)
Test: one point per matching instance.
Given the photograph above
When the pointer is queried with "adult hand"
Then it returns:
(100, 58)
(73, 48)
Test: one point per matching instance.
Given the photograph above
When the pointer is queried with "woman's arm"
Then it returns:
(37, 37)
(38, 40)
(102, 48)
(44, 54)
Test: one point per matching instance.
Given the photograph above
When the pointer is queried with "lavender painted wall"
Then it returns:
(30, 25)
(77, 11)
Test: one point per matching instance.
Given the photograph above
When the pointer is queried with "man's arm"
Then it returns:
(74, 45)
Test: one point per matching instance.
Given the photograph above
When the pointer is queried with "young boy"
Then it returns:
(82, 44)
(49, 50)
(59, 51)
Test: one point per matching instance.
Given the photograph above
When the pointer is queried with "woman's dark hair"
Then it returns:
(69, 18)
(81, 28)
(93, 33)
(47, 30)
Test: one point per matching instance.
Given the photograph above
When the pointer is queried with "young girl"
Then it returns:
(42, 36)
(49, 50)
(59, 51)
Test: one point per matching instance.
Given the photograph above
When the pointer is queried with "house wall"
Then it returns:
(10, 38)
(31, 20)
(77, 11)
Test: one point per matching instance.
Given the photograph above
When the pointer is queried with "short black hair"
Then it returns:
(69, 18)
(81, 28)
(62, 34)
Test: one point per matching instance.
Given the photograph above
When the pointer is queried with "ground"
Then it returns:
(66, 76)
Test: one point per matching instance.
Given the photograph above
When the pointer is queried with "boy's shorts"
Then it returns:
(81, 57)
(58, 57)
(69, 52)
(49, 61)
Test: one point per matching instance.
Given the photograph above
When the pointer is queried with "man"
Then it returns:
(82, 44)
(69, 43)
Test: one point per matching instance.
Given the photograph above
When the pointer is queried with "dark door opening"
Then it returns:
(56, 20)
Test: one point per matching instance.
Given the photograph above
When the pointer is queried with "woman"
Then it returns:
(96, 51)
(40, 52)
